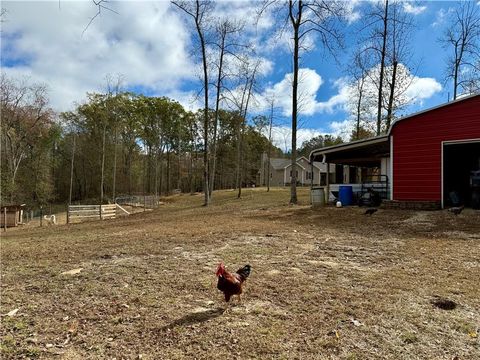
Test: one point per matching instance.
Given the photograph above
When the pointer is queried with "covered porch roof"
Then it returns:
(362, 153)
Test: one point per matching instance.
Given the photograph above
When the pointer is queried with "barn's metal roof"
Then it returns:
(367, 152)
(463, 98)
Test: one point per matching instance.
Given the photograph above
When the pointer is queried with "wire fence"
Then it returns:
(142, 201)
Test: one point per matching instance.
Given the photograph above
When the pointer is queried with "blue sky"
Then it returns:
(150, 45)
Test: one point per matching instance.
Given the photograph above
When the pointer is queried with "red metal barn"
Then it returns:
(434, 152)
(431, 157)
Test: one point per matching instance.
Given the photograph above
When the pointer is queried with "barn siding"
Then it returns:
(418, 145)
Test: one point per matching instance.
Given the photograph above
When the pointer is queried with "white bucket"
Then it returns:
(318, 197)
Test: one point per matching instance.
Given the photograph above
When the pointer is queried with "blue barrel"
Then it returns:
(345, 195)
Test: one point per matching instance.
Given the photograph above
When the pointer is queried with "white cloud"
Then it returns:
(190, 100)
(309, 83)
(412, 9)
(148, 46)
(423, 88)
(352, 12)
(337, 100)
(282, 136)
(410, 89)
(442, 16)
(341, 128)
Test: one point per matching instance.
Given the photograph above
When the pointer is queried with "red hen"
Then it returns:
(231, 283)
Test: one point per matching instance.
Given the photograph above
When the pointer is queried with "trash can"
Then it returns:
(318, 197)
(345, 195)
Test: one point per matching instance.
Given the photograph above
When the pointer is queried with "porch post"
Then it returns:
(328, 184)
(311, 176)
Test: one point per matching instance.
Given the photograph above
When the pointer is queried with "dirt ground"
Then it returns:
(325, 284)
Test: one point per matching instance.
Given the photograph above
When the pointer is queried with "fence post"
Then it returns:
(144, 202)
(41, 215)
(31, 215)
(68, 214)
(100, 211)
(4, 219)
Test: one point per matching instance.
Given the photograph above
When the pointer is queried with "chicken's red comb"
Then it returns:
(220, 269)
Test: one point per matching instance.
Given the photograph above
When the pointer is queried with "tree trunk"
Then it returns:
(217, 105)
(71, 172)
(156, 173)
(455, 79)
(392, 95)
(168, 172)
(359, 108)
(269, 154)
(239, 141)
(190, 174)
(114, 165)
(296, 26)
(103, 164)
(205, 110)
(160, 182)
(382, 66)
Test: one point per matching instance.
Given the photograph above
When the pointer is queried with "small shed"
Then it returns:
(13, 214)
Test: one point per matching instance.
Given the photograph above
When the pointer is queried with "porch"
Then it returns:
(364, 165)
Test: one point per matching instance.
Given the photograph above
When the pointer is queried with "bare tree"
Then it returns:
(199, 11)
(321, 19)
(113, 89)
(239, 99)
(101, 5)
(400, 25)
(225, 29)
(383, 35)
(359, 88)
(381, 62)
(462, 39)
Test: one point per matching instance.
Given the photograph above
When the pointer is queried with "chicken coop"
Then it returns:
(427, 160)
(11, 215)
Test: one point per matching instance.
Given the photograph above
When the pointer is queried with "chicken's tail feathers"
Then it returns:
(244, 272)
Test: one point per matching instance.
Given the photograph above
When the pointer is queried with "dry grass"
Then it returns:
(326, 284)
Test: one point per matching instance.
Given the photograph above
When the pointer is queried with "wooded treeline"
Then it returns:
(141, 145)
(125, 143)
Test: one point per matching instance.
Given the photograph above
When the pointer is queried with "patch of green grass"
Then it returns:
(464, 328)
(8, 345)
(409, 337)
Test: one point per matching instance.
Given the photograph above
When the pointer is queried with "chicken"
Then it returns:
(370, 211)
(231, 283)
(456, 210)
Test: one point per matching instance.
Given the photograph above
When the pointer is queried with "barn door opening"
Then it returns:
(461, 174)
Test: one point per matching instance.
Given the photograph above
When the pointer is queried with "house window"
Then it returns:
(296, 173)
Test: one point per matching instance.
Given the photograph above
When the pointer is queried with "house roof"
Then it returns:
(280, 164)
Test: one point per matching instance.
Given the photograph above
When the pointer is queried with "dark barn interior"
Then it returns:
(460, 187)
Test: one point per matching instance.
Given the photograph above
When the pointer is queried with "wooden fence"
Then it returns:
(92, 212)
